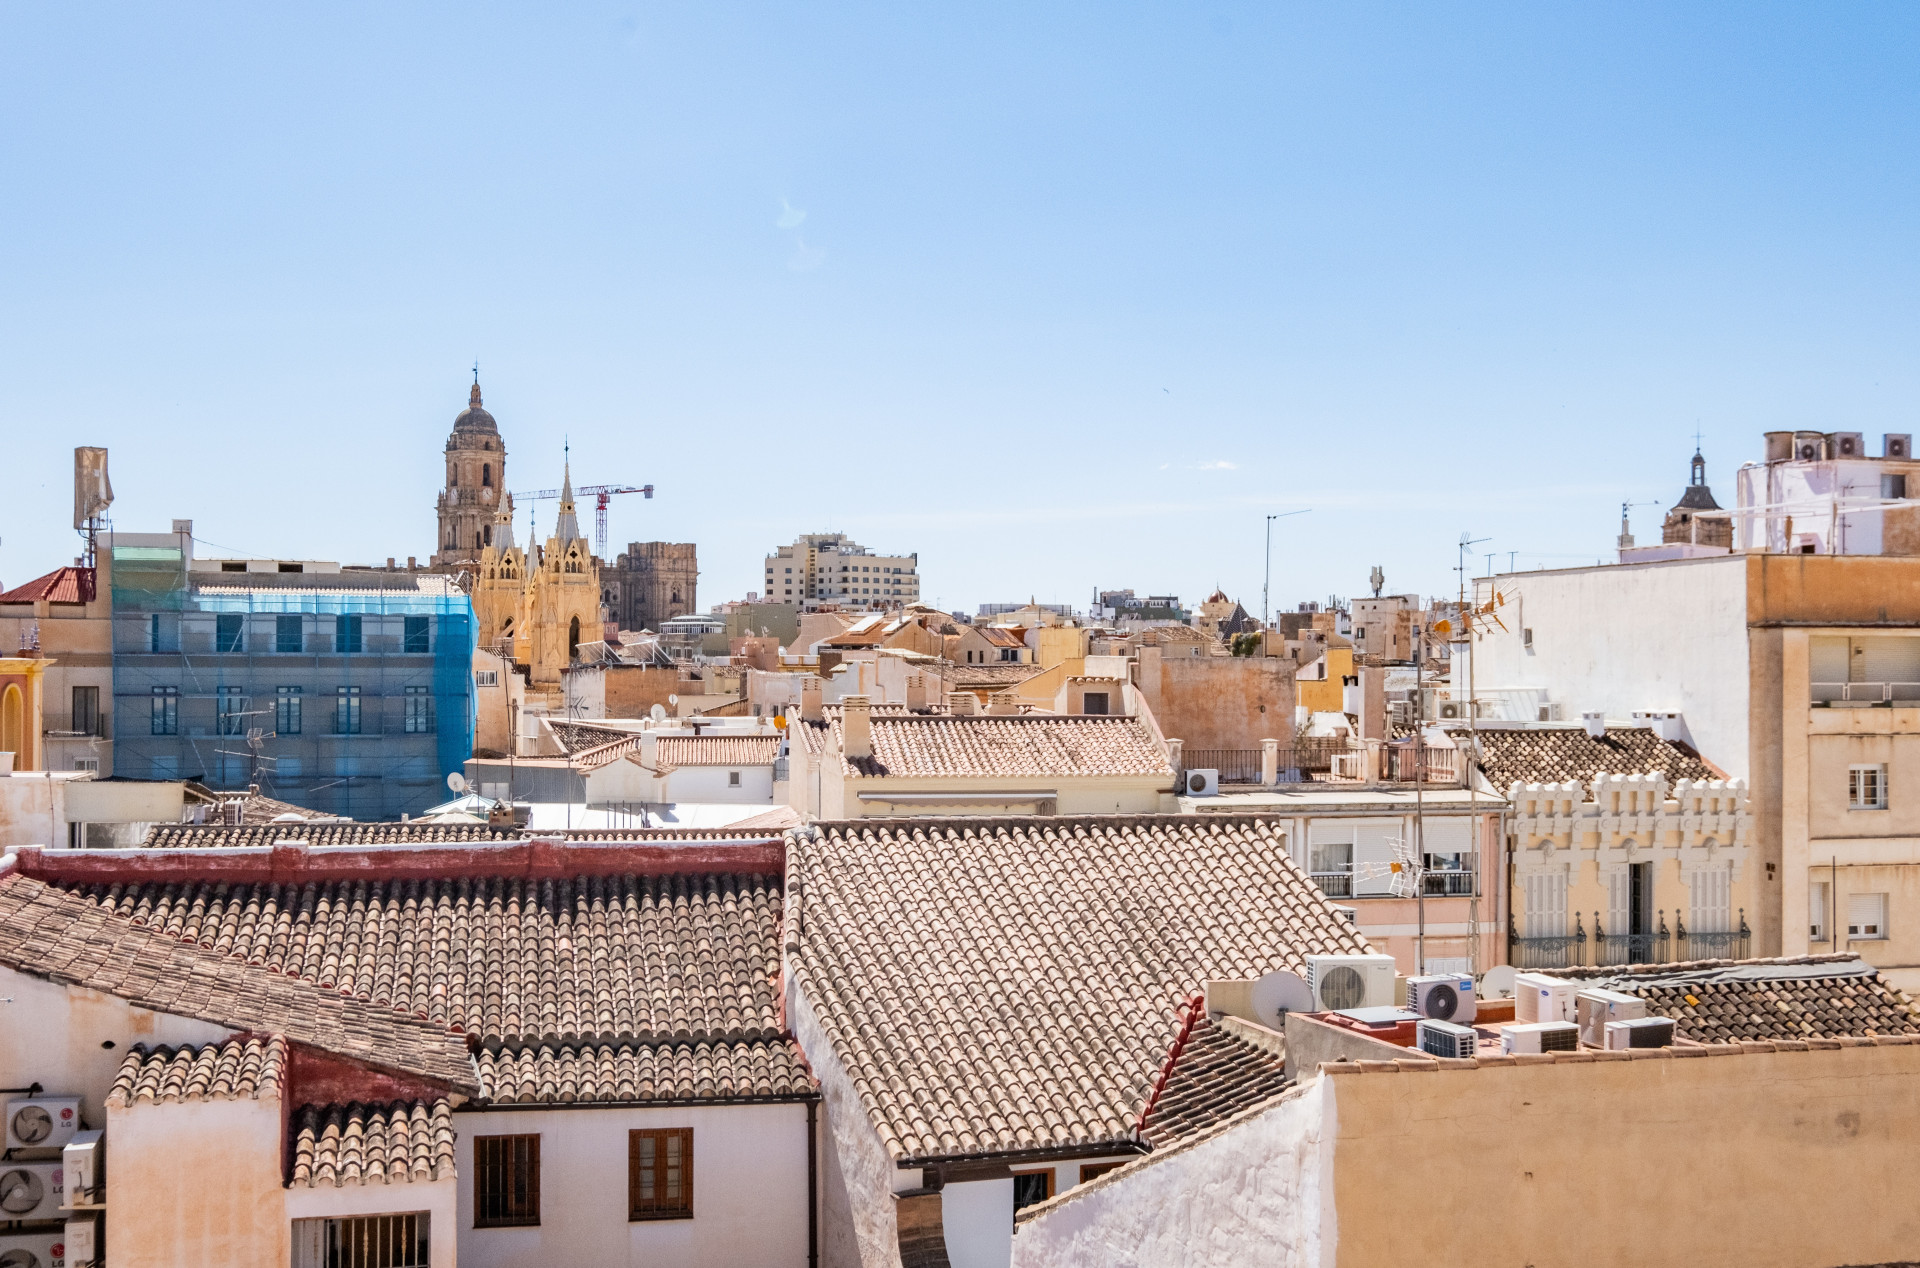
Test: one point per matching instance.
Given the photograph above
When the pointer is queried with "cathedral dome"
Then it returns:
(473, 418)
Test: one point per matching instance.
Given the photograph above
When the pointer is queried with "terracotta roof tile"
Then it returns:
(587, 959)
(719, 750)
(577, 736)
(1001, 675)
(62, 585)
(1215, 1075)
(1006, 984)
(988, 747)
(194, 836)
(395, 1143)
(1739, 1001)
(1556, 754)
(65, 938)
(240, 1068)
(765, 1068)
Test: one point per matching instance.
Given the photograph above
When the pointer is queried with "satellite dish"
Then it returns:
(779, 721)
(457, 781)
(1281, 992)
(1497, 982)
(657, 713)
(672, 700)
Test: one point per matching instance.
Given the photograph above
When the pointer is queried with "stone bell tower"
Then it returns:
(475, 493)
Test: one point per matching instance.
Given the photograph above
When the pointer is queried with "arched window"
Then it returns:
(486, 475)
(573, 638)
(13, 725)
(486, 534)
(453, 477)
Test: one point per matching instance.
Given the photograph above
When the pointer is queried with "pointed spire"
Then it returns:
(568, 527)
(503, 525)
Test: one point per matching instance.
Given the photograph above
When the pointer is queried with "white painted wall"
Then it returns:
(749, 1189)
(1622, 639)
(708, 784)
(978, 1219)
(197, 1183)
(1252, 1195)
(52, 1035)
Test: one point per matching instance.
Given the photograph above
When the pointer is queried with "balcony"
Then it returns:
(1865, 695)
(1734, 944)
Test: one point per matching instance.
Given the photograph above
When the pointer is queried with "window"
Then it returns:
(286, 634)
(346, 634)
(1094, 702)
(419, 711)
(486, 678)
(1092, 1170)
(346, 711)
(286, 711)
(226, 632)
(660, 1174)
(293, 567)
(153, 633)
(1893, 487)
(416, 635)
(1866, 916)
(234, 566)
(486, 475)
(1866, 788)
(87, 763)
(733, 779)
(1817, 911)
(506, 1181)
(1710, 900)
(1332, 867)
(230, 717)
(166, 711)
(1030, 1187)
(362, 1241)
(86, 711)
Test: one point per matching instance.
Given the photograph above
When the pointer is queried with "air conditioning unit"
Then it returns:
(1442, 996)
(83, 1241)
(1847, 444)
(1594, 1008)
(85, 1167)
(1350, 981)
(1201, 783)
(1538, 997)
(33, 1250)
(1452, 710)
(1444, 1039)
(1541, 1036)
(31, 1190)
(1896, 445)
(1640, 1032)
(42, 1122)
(1809, 446)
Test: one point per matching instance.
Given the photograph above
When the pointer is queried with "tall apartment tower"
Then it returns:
(833, 568)
(475, 491)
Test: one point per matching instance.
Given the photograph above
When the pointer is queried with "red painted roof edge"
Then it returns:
(1194, 1010)
(296, 863)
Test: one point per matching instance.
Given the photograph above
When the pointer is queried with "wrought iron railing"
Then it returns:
(1335, 884)
(1564, 951)
(1449, 884)
(1733, 944)
(1631, 948)
(1236, 765)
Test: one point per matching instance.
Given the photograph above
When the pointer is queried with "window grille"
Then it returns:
(506, 1181)
(660, 1174)
(365, 1241)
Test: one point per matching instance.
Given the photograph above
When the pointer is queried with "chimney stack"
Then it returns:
(856, 727)
(810, 702)
(1596, 724)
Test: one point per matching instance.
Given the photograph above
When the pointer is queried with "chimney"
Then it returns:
(649, 748)
(1373, 702)
(1596, 724)
(856, 727)
(1002, 703)
(961, 703)
(810, 707)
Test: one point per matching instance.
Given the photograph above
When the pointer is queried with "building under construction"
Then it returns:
(346, 691)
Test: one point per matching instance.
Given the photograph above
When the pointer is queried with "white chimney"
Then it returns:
(856, 727)
(810, 698)
(649, 746)
(1596, 724)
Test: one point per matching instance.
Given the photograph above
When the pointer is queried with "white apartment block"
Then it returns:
(832, 568)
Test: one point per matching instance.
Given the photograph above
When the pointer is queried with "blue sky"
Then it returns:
(1055, 298)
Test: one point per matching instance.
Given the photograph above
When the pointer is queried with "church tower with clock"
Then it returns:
(475, 496)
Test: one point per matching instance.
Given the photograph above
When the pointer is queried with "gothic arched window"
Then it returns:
(573, 638)
(486, 534)
(453, 477)
(486, 475)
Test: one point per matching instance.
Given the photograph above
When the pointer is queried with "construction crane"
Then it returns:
(601, 494)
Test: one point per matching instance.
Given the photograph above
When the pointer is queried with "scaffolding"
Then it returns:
(344, 692)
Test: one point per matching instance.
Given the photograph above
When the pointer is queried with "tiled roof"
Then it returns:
(754, 1069)
(395, 1143)
(1002, 675)
(256, 808)
(1530, 755)
(590, 959)
(239, 1068)
(767, 826)
(194, 836)
(719, 750)
(1215, 1075)
(62, 585)
(1007, 984)
(988, 747)
(65, 938)
(1733, 1001)
(1000, 636)
(576, 736)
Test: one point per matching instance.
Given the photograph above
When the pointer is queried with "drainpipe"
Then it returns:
(813, 1170)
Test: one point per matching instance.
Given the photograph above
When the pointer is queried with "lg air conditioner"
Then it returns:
(42, 1122)
(1594, 1008)
(1202, 783)
(1540, 997)
(31, 1190)
(1442, 996)
(1452, 710)
(1444, 1039)
(1541, 1036)
(33, 1250)
(1639, 1032)
(1350, 981)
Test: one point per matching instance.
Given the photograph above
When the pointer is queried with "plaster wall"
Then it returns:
(708, 784)
(1249, 1194)
(1608, 640)
(977, 1217)
(33, 809)
(438, 1199)
(1219, 701)
(52, 1034)
(1131, 794)
(857, 1176)
(196, 1183)
(749, 1188)
(1751, 1159)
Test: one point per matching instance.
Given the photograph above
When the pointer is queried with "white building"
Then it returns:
(1818, 493)
(833, 568)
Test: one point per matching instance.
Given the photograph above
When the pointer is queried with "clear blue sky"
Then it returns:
(1056, 298)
